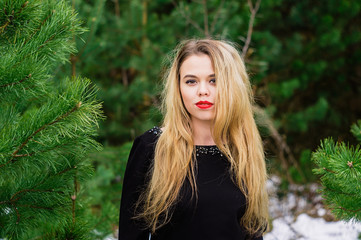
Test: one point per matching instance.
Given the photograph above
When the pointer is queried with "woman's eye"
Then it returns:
(213, 80)
(190, 81)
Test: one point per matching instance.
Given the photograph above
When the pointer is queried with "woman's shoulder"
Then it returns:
(150, 136)
(142, 151)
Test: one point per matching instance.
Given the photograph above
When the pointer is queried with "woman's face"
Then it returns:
(198, 87)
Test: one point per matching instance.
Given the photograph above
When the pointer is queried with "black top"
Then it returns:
(215, 215)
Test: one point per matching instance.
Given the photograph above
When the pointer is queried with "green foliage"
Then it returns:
(340, 168)
(309, 69)
(31, 48)
(46, 130)
(287, 88)
(306, 163)
(105, 187)
(356, 130)
(300, 121)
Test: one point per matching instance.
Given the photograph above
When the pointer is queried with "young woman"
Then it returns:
(202, 175)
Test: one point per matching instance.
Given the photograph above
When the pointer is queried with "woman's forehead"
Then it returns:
(199, 64)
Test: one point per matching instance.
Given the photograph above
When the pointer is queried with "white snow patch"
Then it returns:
(291, 221)
(308, 228)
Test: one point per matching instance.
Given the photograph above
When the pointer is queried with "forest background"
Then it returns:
(303, 58)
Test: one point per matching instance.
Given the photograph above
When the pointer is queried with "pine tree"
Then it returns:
(340, 168)
(46, 125)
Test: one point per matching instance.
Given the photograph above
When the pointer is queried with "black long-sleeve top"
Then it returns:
(213, 215)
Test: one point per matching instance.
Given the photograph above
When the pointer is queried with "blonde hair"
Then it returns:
(235, 134)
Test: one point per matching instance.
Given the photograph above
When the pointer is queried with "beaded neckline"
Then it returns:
(211, 150)
(200, 149)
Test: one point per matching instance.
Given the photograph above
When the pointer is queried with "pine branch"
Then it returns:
(340, 167)
(24, 155)
(17, 196)
(348, 210)
(18, 215)
(43, 151)
(339, 192)
(66, 170)
(42, 182)
(37, 30)
(13, 200)
(40, 47)
(15, 83)
(13, 16)
(13, 159)
(31, 190)
(49, 39)
(43, 127)
(33, 206)
(33, 153)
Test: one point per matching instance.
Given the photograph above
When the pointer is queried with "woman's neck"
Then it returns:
(202, 133)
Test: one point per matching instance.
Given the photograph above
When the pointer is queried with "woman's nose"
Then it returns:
(203, 89)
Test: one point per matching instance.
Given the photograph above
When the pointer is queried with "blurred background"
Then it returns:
(303, 58)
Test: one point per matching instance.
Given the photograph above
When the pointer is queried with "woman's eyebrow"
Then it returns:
(194, 76)
(190, 76)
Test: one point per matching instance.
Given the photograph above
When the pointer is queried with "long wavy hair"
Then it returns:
(234, 132)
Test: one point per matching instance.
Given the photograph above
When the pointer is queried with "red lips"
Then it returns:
(204, 104)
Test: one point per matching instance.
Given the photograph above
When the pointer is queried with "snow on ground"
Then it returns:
(308, 228)
(302, 217)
